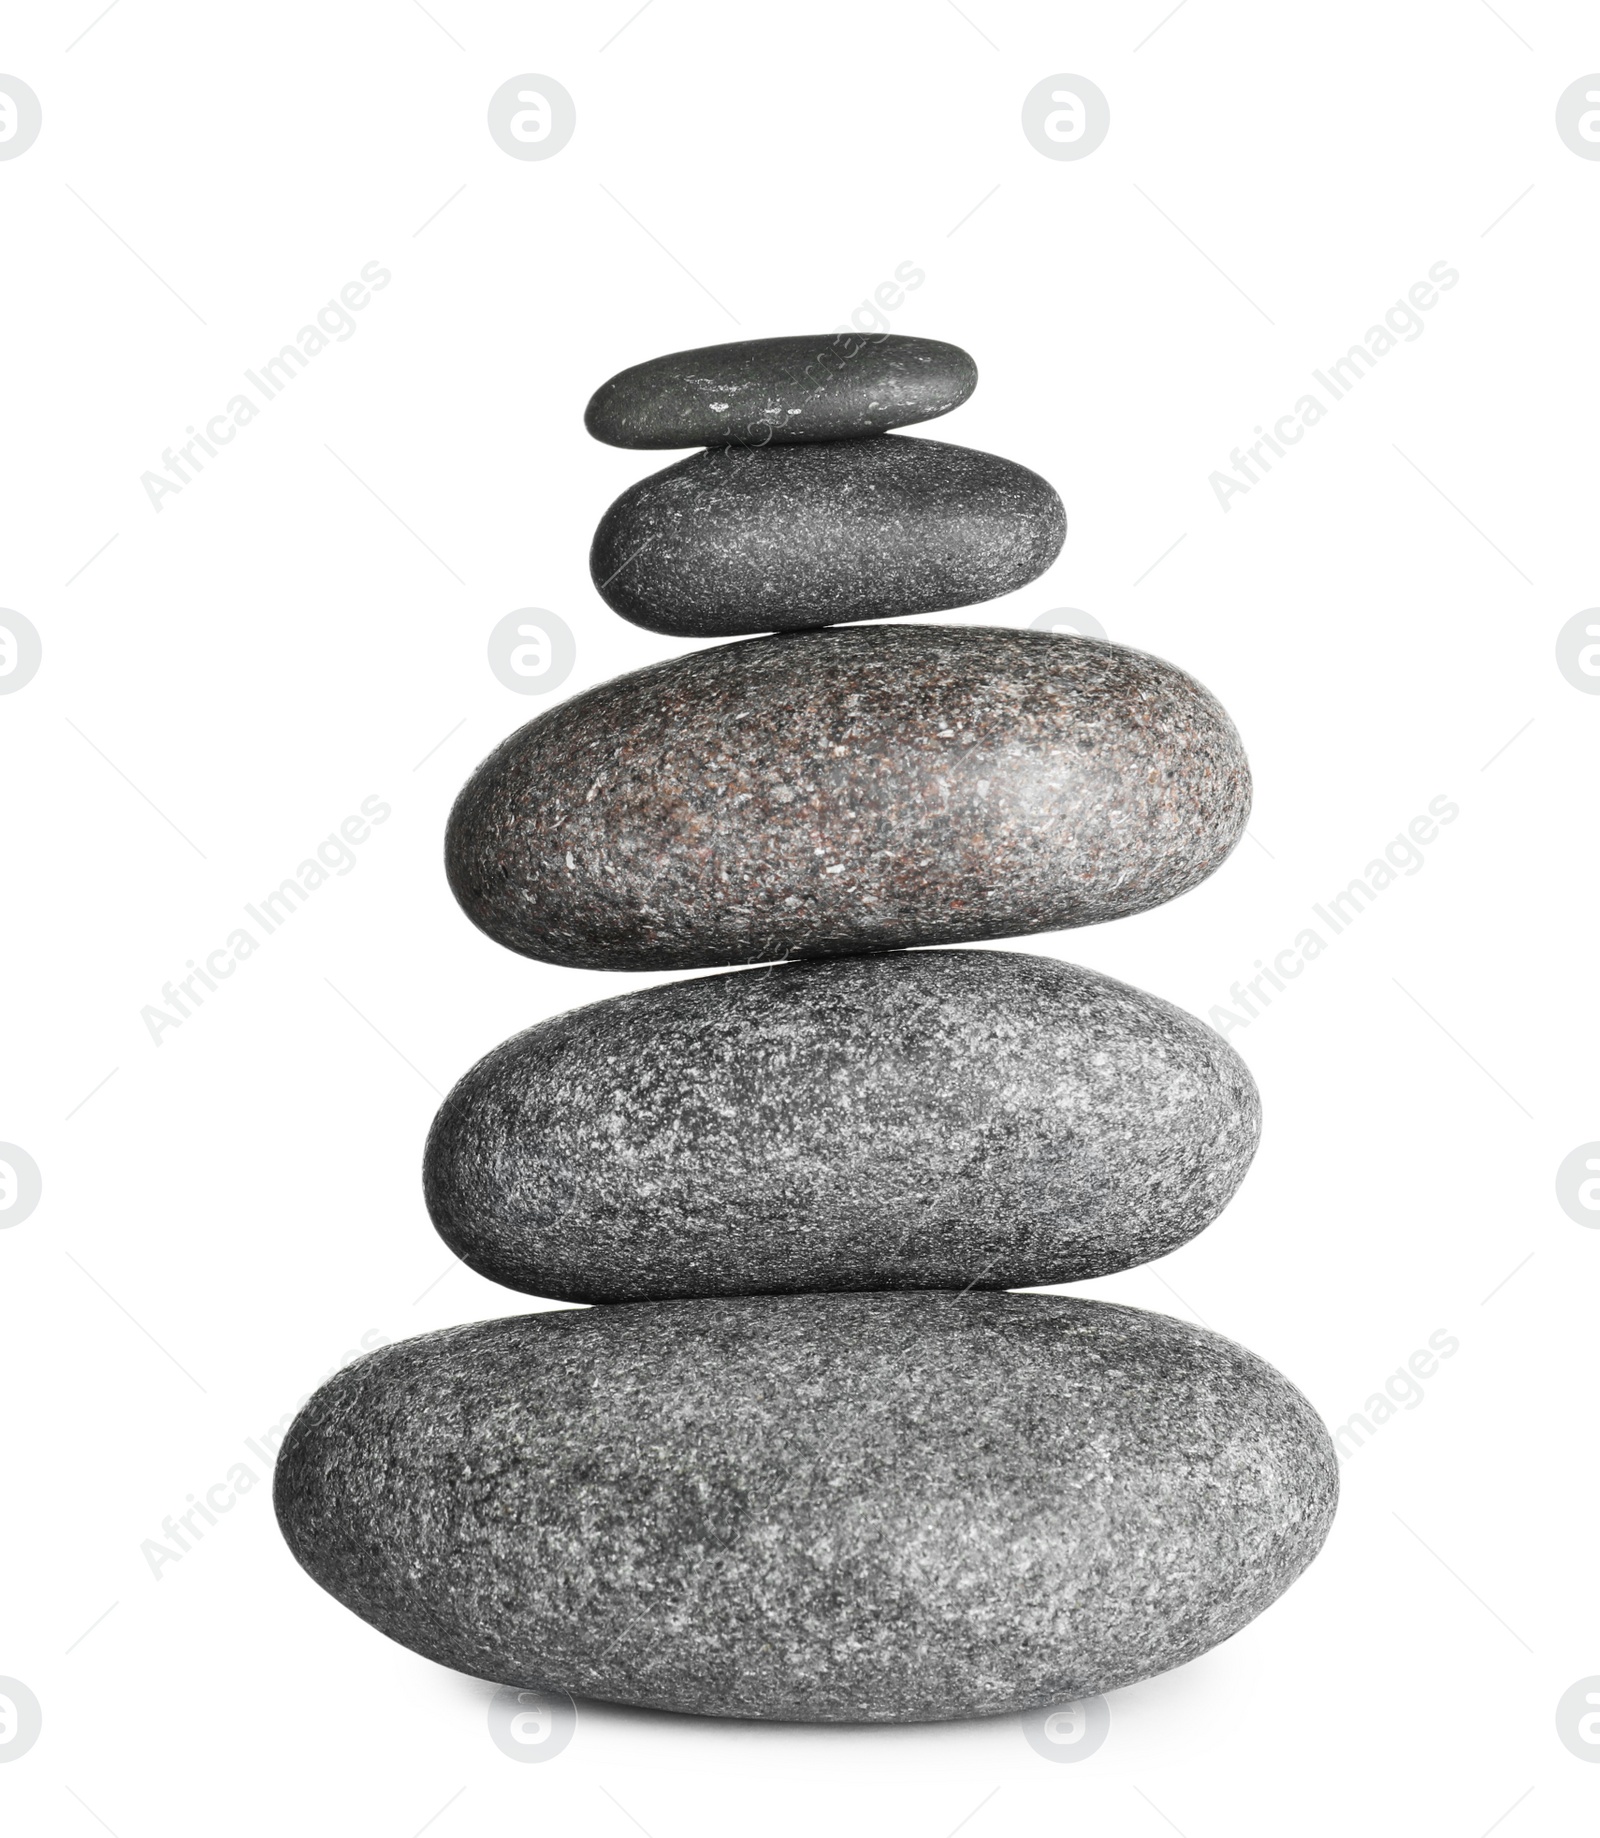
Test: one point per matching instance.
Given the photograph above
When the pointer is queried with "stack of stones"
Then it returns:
(808, 1458)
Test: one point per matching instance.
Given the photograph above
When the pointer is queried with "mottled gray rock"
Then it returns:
(883, 1507)
(853, 789)
(829, 386)
(921, 1119)
(784, 537)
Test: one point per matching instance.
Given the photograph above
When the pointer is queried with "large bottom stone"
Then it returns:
(871, 1507)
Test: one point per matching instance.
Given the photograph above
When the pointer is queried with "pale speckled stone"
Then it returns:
(732, 541)
(885, 1508)
(921, 1119)
(855, 789)
(756, 391)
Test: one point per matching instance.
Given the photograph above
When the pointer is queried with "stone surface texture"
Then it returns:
(777, 538)
(871, 1507)
(926, 1119)
(847, 790)
(761, 391)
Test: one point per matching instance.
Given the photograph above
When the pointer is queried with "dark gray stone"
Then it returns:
(881, 1508)
(777, 539)
(760, 391)
(921, 1119)
(853, 789)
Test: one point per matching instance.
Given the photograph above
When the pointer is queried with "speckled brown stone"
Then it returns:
(854, 789)
(885, 1508)
(736, 541)
(922, 1119)
(761, 391)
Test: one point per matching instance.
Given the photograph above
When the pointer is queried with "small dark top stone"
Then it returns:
(885, 1508)
(761, 391)
(854, 789)
(782, 537)
(926, 1119)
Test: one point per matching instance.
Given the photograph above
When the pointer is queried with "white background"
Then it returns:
(232, 1210)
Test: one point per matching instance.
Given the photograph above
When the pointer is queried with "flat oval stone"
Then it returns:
(760, 391)
(881, 1507)
(779, 538)
(926, 1119)
(855, 789)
